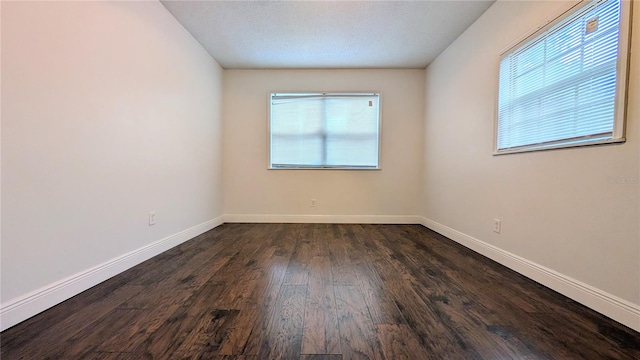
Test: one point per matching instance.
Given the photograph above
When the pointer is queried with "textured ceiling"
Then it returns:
(325, 34)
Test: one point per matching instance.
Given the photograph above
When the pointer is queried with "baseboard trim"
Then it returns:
(618, 309)
(323, 219)
(17, 310)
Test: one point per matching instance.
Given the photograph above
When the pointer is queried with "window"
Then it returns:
(566, 84)
(324, 130)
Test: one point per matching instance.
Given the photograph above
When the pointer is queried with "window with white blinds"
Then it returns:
(566, 86)
(324, 130)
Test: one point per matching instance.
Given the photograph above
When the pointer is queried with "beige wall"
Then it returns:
(251, 189)
(109, 110)
(558, 208)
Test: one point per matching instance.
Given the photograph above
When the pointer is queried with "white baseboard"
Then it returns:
(14, 311)
(324, 219)
(618, 309)
(26, 306)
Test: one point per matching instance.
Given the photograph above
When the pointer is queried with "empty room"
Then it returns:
(320, 179)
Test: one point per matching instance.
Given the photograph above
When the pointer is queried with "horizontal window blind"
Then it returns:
(560, 87)
(324, 130)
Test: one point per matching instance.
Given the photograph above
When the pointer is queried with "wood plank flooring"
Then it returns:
(319, 291)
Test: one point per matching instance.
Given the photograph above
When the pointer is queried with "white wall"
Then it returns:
(559, 208)
(110, 110)
(253, 193)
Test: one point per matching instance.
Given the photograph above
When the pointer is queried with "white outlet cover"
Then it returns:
(497, 226)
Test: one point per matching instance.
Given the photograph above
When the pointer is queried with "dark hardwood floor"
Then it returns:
(319, 291)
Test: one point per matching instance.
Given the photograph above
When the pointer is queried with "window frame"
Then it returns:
(622, 79)
(326, 167)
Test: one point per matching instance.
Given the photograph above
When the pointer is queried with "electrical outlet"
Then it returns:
(497, 225)
(313, 202)
(152, 218)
